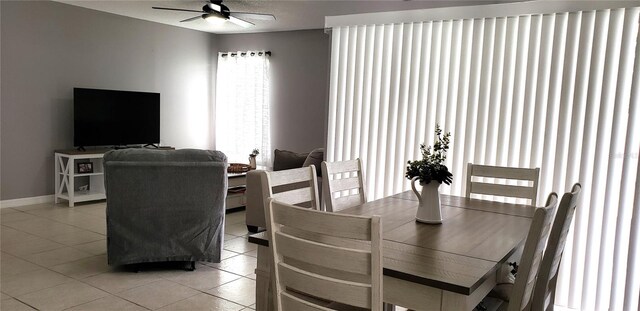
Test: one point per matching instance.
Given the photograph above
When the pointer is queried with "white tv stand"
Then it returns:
(66, 172)
(236, 197)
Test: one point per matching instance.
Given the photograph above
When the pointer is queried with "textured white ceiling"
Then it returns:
(290, 15)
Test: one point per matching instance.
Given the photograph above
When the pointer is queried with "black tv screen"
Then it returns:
(115, 118)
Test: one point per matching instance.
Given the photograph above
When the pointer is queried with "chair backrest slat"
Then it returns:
(291, 302)
(352, 293)
(344, 184)
(332, 184)
(295, 196)
(297, 186)
(502, 190)
(329, 256)
(521, 294)
(343, 166)
(531, 175)
(338, 225)
(291, 176)
(330, 272)
(341, 258)
(505, 172)
(543, 297)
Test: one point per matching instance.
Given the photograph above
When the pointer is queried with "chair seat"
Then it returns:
(502, 291)
(506, 279)
(492, 304)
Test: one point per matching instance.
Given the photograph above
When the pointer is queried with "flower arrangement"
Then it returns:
(252, 158)
(431, 166)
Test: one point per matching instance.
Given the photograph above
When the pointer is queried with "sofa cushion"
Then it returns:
(285, 160)
(315, 157)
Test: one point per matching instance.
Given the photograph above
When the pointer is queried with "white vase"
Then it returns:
(429, 210)
(252, 162)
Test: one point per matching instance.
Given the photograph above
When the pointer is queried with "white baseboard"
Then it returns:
(26, 201)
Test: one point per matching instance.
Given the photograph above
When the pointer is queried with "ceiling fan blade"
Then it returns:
(240, 22)
(172, 9)
(191, 19)
(256, 16)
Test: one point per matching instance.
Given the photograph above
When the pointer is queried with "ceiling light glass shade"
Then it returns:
(215, 19)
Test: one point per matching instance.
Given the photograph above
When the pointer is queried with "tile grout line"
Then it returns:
(24, 302)
(82, 280)
(53, 220)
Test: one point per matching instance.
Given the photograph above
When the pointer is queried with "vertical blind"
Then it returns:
(556, 91)
(242, 106)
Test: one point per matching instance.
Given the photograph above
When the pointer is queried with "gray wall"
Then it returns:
(299, 66)
(48, 48)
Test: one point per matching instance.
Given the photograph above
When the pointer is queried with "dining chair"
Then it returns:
(501, 172)
(348, 183)
(298, 186)
(545, 288)
(335, 258)
(518, 296)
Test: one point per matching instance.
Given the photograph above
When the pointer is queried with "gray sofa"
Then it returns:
(165, 205)
(282, 160)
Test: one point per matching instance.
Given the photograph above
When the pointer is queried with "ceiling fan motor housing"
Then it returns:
(224, 10)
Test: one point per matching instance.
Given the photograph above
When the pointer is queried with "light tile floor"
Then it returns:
(53, 257)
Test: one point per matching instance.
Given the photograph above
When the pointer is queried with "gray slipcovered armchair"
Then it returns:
(165, 205)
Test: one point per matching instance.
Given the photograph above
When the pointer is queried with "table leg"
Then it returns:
(71, 182)
(264, 288)
(58, 170)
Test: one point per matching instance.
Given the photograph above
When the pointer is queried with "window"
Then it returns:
(242, 117)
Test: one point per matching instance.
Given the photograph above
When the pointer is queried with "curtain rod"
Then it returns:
(268, 53)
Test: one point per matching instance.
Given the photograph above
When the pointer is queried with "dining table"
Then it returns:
(447, 266)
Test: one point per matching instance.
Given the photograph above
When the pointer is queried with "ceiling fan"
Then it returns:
(217, 13)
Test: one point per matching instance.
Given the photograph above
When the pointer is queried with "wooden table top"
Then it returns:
(457, 255)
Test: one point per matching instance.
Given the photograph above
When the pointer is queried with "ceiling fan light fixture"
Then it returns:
(217, 14)
(215, 18)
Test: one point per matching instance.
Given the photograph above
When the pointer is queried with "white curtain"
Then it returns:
(242, 116)
(555, 91)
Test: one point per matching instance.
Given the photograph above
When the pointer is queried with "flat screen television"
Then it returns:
(115, 118)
